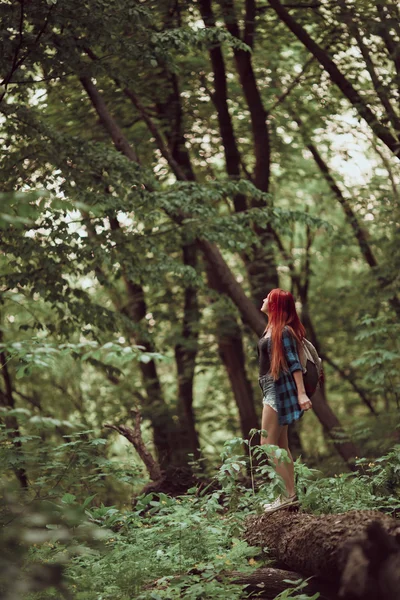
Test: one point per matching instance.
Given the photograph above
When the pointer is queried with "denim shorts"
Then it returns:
(267, 385)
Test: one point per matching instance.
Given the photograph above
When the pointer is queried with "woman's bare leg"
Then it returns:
(275, 434)
(284, 443)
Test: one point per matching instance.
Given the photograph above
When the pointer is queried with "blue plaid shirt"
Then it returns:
(285, 386)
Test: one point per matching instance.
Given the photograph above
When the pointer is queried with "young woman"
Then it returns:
(281, 381)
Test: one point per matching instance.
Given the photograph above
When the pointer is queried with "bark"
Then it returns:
(171, 116)
(357, 547)
(292, 85)
(186, 352)
(231, 351)
(337, 77)
(258, 115)
(359, 232)
(170, 443)
(295, 445)
(134, 98)
(333, 428)
(165, 151)
(250, 23)
(185, 359)
(109, 123)
(388, 167)
(251, 315)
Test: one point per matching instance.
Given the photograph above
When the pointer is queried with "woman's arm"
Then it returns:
(303, 399)
(293, 362)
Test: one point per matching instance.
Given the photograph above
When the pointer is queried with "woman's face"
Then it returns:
(264, 307)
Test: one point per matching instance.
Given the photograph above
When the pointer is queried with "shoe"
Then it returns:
(280, 502)
(267, 506)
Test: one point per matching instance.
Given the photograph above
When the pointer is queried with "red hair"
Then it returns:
(281, 312)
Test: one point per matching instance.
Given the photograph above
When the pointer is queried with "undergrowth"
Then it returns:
(162, 547)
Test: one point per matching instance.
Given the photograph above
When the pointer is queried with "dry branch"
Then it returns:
(134, 436)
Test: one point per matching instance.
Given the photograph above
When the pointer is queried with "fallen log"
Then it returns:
(264, 583)
(268, 582)
(360, 550)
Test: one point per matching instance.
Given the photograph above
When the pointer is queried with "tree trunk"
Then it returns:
(260, 265)
(333, 428)
(331, 424)
(185, 351)
(230, 348)
(185, 356)
(154, 408)
(7, 400)
(350, 377)
(358, 548)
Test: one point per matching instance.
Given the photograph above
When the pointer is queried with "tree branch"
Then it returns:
(133, 97)
(291, 86)
(337, 77)
(134, 436)
(250, 23)
(350, 380)
(119, 139)
(379, 86)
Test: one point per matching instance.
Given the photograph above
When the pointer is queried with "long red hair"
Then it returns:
(281, 312)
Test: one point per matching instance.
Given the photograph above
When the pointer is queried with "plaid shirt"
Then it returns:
(285, 386)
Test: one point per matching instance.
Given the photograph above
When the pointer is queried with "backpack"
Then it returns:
(313, 373)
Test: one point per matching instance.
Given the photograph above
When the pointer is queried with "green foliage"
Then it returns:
(379, 337)
(36, 354)
(375, 486)
(291, 593)
(161, 546)
(79, 465)
(98, 251)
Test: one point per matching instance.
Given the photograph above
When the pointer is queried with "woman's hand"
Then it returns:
(304, 402)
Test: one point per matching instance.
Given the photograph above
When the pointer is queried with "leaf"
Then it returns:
(88, 500)
(99, 442)
(68, 499)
